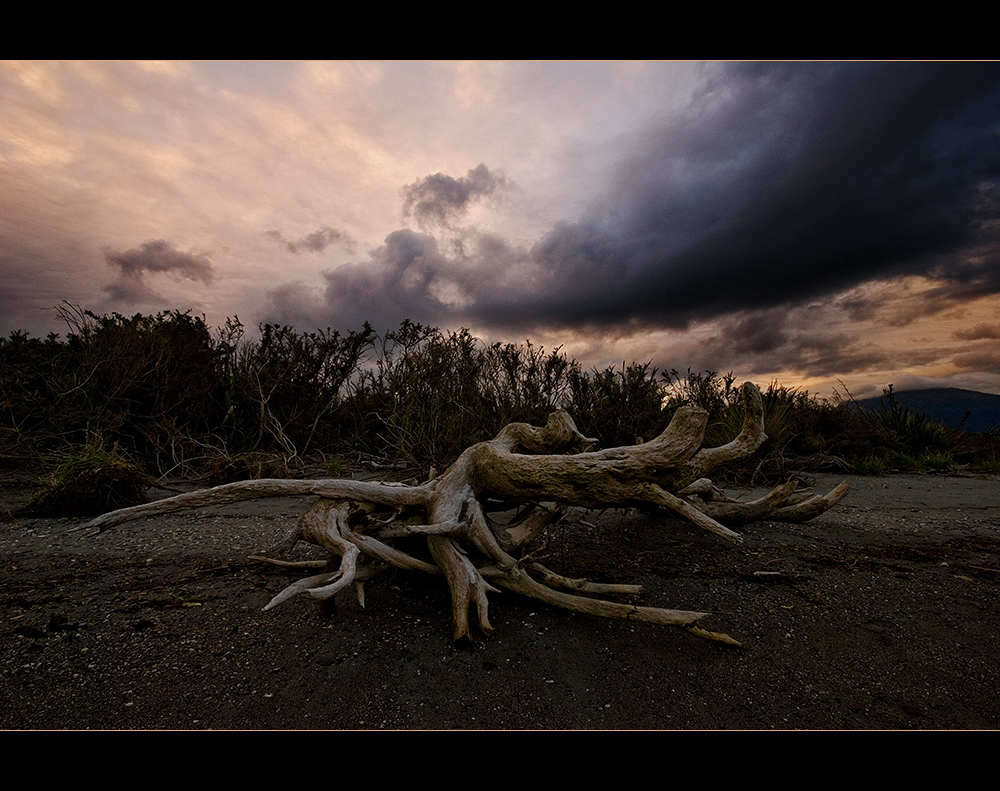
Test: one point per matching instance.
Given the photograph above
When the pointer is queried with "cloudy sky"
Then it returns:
(810, 222)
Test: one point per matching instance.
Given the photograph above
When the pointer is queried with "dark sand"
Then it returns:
(883, 613)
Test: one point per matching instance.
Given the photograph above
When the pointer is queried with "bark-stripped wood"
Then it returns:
(359, 522)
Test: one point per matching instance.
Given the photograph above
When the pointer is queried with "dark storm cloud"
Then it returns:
(862, 308)
(786, 182)
(129, 291)
(787, 337)
(298, 305)
(438, 199)
(155, 256)
(315, 242)
(399, 281)
(757, 334)
(781, 184)
(161, 256)
(979, 332)
(982, 359)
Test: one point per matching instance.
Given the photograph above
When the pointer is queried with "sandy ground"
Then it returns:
(882, 613)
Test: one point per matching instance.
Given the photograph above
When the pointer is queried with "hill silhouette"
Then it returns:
(952, 407)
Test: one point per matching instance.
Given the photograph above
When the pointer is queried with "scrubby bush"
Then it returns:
(144, 384)
(33, 379)
(89, 482)
(428, 394)
(872, 465)
(917, 433)
(792, 420)
(167, 392)
(618, 406)
(282, 391)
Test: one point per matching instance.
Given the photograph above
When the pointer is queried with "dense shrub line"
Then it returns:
(169, 393)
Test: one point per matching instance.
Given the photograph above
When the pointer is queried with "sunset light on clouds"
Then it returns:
(810, 222)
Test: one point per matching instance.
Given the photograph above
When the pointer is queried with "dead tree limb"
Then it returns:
(360, 523)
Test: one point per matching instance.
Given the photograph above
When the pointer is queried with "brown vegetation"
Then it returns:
(168, 395)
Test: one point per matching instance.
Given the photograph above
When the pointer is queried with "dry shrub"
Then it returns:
(170, 394)
(90, 483)
(217, 470)
(619, 406)
(430, 394)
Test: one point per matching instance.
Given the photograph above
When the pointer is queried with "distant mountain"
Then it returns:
(948, 406)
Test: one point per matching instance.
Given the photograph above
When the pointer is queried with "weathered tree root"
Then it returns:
(360, 523)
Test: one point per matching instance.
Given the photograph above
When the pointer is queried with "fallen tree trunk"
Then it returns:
(360, 522)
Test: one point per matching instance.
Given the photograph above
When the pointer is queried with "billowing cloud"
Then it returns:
(812, 339)
(156, 256)
(298, 305)
(775, 218)
(978, 332)
(783, 183)
(407, 277)
(161, 256)
(440, 199)
(980, 359)
(315, 242)
(787, 182)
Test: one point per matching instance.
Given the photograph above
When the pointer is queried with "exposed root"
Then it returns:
(718, 637)
(554, 580)
(527, 525)
(734, 512)
(664, 498)
(468, 588)
(290, 564)
(306, 586)
(812, 507)
(363, 525)
(520, 582)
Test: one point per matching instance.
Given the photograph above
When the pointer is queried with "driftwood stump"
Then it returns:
(360, 522)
